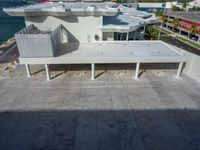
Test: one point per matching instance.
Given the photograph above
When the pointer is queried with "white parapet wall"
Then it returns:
(83, 28)
(192, 68)
(192, 65)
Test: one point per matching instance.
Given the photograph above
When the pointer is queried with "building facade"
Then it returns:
(185, 21)
(87, 21)
(88, 33)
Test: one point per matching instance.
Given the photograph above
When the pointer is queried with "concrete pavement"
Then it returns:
(71, 112)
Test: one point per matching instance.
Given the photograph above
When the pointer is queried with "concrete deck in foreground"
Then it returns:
(114, 112)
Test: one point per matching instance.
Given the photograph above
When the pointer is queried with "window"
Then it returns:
(120, 36)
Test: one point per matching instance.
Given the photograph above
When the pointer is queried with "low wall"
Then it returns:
(192, 67)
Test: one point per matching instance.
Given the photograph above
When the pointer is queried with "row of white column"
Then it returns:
(180, 67)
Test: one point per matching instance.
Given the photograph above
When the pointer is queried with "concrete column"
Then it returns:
(180, 31)
(127, 36)
(135, 34)
(180, 67)
(28, 70)
(167, 22)
(120, 36)
(137, 70)
(160, 30)
(92, 71)
(47, 72)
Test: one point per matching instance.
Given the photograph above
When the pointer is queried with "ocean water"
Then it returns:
(9, 25)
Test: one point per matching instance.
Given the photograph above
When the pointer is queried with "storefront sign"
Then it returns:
(185, 24)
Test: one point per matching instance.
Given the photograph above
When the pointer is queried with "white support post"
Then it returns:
(160, 30)
(137, 70)
(135, 34)
(47, 72)
(92, 71)
(180, 31)
(180, 67)
(121, 37)
(188, 35)
(127, 36)
(28, 70)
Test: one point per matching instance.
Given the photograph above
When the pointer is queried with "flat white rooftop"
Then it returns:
(74, 8)
(109, 53)
(64, 9)
(112, 52)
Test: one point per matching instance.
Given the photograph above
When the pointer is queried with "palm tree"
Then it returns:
(161, 16)
(163, 19)
(175, 23)
(192, 29)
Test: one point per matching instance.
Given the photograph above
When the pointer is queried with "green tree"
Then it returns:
(175, 23)
(158, 14)
(192, 29)
(184, 4)
(175, 8)
(151, 33)
(195, 9)
(164, 18)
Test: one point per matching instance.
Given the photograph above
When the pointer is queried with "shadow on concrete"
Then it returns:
(9, 53)
(69, 19)
(100, 129)
(107, 67)
(40, 19)
(38, 71)
(63, 68)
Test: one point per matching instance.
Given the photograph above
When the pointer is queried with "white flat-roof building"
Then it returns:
(86, 21)
(195, 3)
(88, 33)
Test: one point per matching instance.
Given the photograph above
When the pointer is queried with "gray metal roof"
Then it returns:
(127, 20)
(134, 12)
(121, 21)
(185, 15)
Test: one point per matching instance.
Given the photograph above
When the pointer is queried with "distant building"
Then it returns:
(101, 21)
(169, 5)
(186, 20)
(88, 33)
(193, 4)
(151, 7)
